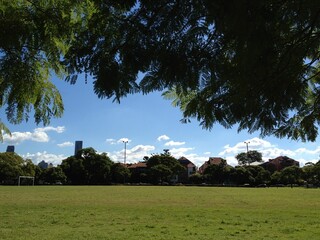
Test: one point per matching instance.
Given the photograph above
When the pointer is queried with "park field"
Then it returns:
(155, 212)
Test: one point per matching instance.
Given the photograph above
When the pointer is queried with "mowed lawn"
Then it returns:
(155, 212)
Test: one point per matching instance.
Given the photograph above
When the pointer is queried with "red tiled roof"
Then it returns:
(215, 160)
(281, 162)
(282, 159)
(211, 161)
(138, 165)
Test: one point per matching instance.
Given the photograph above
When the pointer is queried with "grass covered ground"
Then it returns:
(150, 212)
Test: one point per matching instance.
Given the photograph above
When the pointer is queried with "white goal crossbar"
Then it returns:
(28, 177)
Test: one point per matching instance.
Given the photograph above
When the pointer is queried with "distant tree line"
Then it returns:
(257, 175)
(88, 167)
(224, 174)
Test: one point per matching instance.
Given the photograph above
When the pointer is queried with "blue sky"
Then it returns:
(148, 122)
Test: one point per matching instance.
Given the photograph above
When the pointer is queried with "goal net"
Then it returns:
(26, 181)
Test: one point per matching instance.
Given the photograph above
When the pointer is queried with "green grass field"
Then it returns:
(150, 212)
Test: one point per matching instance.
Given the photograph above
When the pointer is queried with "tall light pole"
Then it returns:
(247, 143)
(125, 151)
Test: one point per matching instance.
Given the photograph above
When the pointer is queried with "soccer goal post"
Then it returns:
(21, 178)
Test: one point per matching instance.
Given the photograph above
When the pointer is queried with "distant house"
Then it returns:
(212, 161)
(190, 169)
(280, 163)
(138, 171)
(139, 165)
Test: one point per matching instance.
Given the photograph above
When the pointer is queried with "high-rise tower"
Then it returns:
(77, 147)
(10, 148)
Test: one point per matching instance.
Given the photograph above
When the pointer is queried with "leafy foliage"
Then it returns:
(87, 167)
(311, 173)
(34, 36)
(217, 173)
(251, 63)
(249, 157)
(74, 170)
(240, 175)
(291, 175)
(254, 64)
(53, 175)
(12, 166)
(119, 173)
(162, 167)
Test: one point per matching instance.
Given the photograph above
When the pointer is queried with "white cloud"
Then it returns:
(307, 151)
(276, 152)
(38, 135)
(179, 152)
(141, 148)
(185, 152)
(163, 138)
(47, 157)
(59, 129)
(65, 144)
(231, 160)
(303, 161)
(133, 155)
(18, 137)
(122, 140)
(111, 141)
(258, 143)
(172, 143)
(269, 151)
(254, 144)
(196, 159)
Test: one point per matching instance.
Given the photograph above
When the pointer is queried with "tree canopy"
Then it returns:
(254, 64)
(163, 167)
(249, 157)
(87, 167)
(12, 166)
